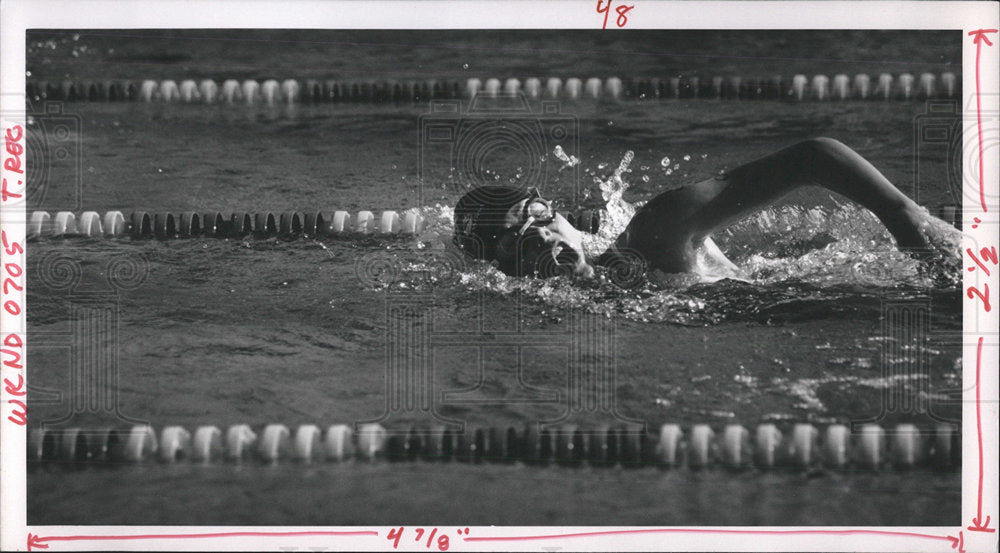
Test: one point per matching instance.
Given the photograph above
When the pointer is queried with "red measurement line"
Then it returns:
(979, 36)
(39, 541)
(952, 539)
(977, 523)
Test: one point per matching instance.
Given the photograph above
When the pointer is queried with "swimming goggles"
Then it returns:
(535, 210)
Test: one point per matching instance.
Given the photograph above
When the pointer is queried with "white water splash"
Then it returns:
(616, 213)
(568, 160)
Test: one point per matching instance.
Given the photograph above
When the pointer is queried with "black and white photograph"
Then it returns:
(417, 284)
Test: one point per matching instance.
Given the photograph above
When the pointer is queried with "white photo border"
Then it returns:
(16, 16)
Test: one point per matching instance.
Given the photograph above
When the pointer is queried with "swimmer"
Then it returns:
(520, 232)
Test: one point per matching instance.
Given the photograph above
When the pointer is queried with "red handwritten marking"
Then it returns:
(989, 254)
(973, 292)
(35, 541)
(621, 10)
(978, 525)
(956, 541)
(979, 37)
(13, 273)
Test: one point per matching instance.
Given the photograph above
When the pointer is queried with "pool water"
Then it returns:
(224, 331)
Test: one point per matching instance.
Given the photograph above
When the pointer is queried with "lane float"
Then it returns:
(263, 224)
(271, 92)
(802, 447)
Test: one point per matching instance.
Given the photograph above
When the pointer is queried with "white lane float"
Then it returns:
(413, 222)
(802, 446)
(206, 445)
(927, 84)
(836, 446)
(593, 88)
(136, 444)
(114, 224)
(884, 87)
(270, 92)
(613, 88)
(574, 88)
(149, 90)
(339, 442)
(670, 449)
(274, 443)
(90, 225)
(492, 88)
(701, 447)
(820, 87)
(239, 441)
(189, 92)
(341, 222)
(290, 91)
(175, 444)
(767, 446)
(169, 91)
(306, 445)
(906, 449)
(371, 441)
(533, 88)
(65, 224)
(472, 87)
(799, 86)
(906, 86)
(389, 223)
(862, 86)
(40, 224)
(365, 223)
(553, 87)
(949, 83)
(841, 87)
(208, 90)
(250, 91)
(870, 448)
(512, 87)
(232, 92)
(737, 452)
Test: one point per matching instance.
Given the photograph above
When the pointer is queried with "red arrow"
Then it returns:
(958, 543)
(978, 524)
(39, 541)
(978, 38)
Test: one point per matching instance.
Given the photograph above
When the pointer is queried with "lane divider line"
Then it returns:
(262, 224)
(271, 92)
(798, 446)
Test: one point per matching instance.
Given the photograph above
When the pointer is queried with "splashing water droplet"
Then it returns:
(568, 160)
(687, 157)
(465, 66)
(665, 162)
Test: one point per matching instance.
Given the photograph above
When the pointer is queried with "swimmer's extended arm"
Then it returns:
(667, 229)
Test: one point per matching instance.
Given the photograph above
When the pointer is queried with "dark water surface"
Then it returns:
(258, 331)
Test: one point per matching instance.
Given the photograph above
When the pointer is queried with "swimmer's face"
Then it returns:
(541, 242)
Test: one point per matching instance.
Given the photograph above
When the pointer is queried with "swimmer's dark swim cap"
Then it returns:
(481, 218)
(490, 224)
